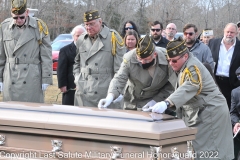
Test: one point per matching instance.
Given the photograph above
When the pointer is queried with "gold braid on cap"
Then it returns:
(139, 53)
(20, 6)
(115, 41)
(176, 46)
(188, 76)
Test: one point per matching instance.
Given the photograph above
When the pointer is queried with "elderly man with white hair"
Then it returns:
(65, 76)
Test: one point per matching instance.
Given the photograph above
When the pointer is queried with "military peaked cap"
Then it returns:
(91, 15)
(19, 6)
(207, 33)
(176, 48)
(145, 47)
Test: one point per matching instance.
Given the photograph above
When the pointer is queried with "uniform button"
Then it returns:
(25, 69)
(13, 55)
(25, 55)
(96, 64)
(24, 82)
(13, 83)
(96, 78)
(95, 92)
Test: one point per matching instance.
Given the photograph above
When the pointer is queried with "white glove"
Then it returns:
(44, 86)
(120, 97)
(1, 86)
(76, 78)
(159, 107)
(103, 103)
(148, 106)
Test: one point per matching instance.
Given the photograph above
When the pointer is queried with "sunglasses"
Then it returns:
(157, 30)
(21, 17)
(190, 33)
(127, 28)
(175, 60)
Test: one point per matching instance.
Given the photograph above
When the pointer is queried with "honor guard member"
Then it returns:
(199, 103)
(99, 55)
(145, 73)
(25, 56)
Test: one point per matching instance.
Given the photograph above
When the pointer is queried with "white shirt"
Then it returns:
(224, 60)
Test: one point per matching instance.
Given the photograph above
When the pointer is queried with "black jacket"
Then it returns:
(66, 58)
(162, 43)
(214, 45)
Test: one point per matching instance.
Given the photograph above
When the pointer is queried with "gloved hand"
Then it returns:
(44, 86)
(120, 97)
(159, 107)
(148, 106)
(1, 86)
(103, 103)
(76, 77)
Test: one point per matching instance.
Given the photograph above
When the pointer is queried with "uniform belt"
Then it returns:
(222, 77)
(90, 71)
(23, 61)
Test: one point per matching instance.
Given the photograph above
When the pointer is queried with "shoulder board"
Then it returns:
(42, 26)
(6, 21)
(117, 35)
(116, 41)
(188, 74)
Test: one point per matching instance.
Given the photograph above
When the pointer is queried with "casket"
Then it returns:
(46, 131)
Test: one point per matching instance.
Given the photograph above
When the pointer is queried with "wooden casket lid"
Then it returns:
(92, 121)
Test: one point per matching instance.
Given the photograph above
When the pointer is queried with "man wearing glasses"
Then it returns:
(195, 46)
(145, 73)
(99, 55)
(199, 103)
(156, 34)
(171, 30)
(25, 56)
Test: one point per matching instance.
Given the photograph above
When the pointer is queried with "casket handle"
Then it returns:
(155, 152)
(2, 139)
(57, 145)
(190, 149)
(116, 152)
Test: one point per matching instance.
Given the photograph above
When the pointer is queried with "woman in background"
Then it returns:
(131, 38)
(128, 26)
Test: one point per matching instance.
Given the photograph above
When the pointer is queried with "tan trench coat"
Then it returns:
(24, 63)
(95, 66)
(141, 87)
(208, 111)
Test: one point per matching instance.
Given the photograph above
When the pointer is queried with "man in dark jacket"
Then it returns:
(235, 113)
(225, 52)
(65, 76)
(156, 34)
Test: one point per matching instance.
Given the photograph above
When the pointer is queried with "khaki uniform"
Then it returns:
(24, 63)
(141, 87)
(95, 66)
(208, 111)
